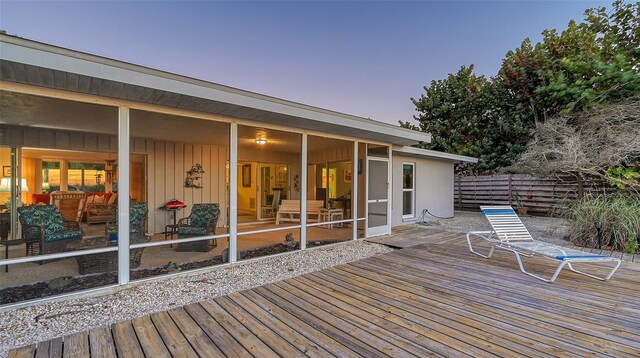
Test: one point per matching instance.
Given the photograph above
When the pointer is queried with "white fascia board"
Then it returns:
(406, 151)
(56, 58)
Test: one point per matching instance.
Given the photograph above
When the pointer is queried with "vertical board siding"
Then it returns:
(151, 184)
(331, 155)
(220, 181)
(539, 195)
(159, 157)
(206, 177)
(171, 161)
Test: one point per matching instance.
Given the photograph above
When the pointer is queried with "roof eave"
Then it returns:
(32, 53)
(407, 151)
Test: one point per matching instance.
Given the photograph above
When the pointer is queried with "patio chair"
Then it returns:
(137, 224)
(270, 209)
(201, 222)
(45, 230)
(510, 234)
(70, 204)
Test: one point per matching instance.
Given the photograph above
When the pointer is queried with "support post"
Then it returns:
(233, 193)
(354, 191)
(123, 195)
(303, 193)
(15, 184)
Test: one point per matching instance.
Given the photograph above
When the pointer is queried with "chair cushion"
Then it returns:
(47, 216)
(63, 235)
(202, 214)
(137, 214)
(193, 231)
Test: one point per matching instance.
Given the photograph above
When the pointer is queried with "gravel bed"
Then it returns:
(46, 321)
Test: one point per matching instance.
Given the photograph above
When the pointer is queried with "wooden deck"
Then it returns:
(433, 299)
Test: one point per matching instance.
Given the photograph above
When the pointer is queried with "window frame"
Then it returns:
(412, 190)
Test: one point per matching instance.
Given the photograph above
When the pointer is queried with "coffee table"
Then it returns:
(330, 215)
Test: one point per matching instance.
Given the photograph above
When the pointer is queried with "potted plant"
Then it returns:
(522, 210)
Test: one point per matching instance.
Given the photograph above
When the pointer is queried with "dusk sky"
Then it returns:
(361, 58)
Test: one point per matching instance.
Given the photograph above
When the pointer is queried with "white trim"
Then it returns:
(16, 167)
(390, 190)
(303, 191)
(383, 229)
(412, 190)
(58, 255)
(354, 190)
(31, 53)
(406, 151)
(177, 241)
(260, 231)
(123, 195)
(233, 193)
(111, 102)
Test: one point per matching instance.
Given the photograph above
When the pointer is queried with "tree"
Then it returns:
(450, 111)
(588, 65)
(466, 115)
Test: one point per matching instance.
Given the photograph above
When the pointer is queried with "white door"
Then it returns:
(377, 196)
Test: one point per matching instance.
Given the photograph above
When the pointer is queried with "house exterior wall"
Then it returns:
(433, 188)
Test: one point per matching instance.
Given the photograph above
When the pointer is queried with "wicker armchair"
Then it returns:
(69, 204)
(137, 223)
(202, 221)
(45, 231)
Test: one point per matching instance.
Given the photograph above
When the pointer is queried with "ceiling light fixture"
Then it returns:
(261, 141)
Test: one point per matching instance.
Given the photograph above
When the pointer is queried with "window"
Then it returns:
(408, 190)
(50, 176)
(87, 177)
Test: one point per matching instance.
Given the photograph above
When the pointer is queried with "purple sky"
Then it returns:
(361, 58)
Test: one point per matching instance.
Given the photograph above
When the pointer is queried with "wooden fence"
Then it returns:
(539, 195)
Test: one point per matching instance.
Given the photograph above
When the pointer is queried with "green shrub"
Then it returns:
(618, 216)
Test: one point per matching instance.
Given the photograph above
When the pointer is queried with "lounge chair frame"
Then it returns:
(515, 236)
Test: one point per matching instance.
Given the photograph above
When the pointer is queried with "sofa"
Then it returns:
(101, 208)
(97, 207)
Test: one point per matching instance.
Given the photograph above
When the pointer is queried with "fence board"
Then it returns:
(540, 195)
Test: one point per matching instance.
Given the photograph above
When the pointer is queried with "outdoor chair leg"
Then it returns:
(613, 270)
(487, 256)
(550, 280)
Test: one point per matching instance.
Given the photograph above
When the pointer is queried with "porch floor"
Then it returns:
(434, 298)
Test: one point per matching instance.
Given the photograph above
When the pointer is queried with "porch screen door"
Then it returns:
(378, 196)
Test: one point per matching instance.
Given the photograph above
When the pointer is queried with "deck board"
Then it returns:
(431, 298)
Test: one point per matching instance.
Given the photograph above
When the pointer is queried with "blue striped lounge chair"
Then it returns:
(510, 234)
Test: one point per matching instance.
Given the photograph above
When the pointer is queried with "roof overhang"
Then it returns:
(414, 152)
(38, 64)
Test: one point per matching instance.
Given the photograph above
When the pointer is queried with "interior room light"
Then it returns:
(5, 185)
(261, 141)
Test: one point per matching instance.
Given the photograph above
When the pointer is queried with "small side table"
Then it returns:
(330, 215)
(171, 229)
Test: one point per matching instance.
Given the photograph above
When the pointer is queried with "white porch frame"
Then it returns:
(123, 155)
